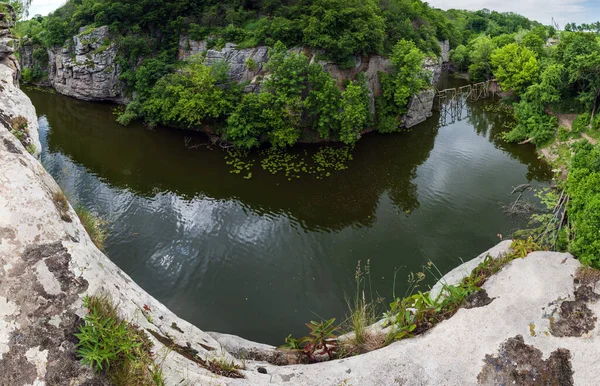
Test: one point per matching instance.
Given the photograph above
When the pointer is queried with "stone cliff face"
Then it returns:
(84, 68)
(7, 43)
(17, 114)
(248, 65)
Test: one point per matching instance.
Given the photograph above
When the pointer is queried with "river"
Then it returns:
(259, 257)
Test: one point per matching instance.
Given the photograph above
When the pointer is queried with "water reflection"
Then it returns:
(259, 257)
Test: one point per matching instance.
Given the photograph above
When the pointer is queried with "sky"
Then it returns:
(563, 11)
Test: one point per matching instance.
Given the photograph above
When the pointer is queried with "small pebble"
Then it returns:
(262, 370)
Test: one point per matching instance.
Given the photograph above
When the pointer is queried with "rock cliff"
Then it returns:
(84, 68)
(47, 264)
(17, 114)
(248, 65)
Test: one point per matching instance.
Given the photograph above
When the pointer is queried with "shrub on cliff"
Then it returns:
(405, 80)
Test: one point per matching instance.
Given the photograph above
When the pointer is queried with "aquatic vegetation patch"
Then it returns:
(239, 162)
(322, 164)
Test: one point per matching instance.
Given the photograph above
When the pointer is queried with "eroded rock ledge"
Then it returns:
(536, 326)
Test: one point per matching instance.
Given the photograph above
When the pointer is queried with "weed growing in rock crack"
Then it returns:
(111, 345)
(95, 226)
(321, 341)
(224, 367)
(20, 129)
(363, 313)
(62, 205)
(419, 312)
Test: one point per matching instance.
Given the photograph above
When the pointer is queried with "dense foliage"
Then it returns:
(544, 80)
(297, 99)
(406, 78)
(584, 206)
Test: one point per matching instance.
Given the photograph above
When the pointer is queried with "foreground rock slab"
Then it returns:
(514, 340)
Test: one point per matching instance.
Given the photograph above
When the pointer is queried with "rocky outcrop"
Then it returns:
(84, 68)
(17, 114)
(8, 43)
(248, 65)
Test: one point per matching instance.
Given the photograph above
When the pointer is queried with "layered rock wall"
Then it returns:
(84, 68)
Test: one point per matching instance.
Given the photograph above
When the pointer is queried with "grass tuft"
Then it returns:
(115, 347)
(95, 226)
(222, 366)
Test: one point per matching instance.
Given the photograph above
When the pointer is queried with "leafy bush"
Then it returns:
(582, 122)
(355, 112)
(187, 97)
(322, 340)
(533, 124)
(406, 79)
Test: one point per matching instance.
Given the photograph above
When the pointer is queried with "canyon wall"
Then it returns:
(84, 68)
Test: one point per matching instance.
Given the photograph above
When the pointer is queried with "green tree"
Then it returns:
(355, 112)
(407, 76)
(480, 55)
(323, 102)
(535, 43)
(515, 67)
(186, 97)
(552, 83)
(345, 27)
(460, 57)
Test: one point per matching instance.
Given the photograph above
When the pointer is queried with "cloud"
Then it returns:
(44, 7)
(563, 11)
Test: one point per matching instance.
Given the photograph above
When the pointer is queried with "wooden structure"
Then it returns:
(451, 102)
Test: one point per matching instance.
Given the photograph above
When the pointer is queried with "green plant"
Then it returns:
(581, 123)
(103, 338)
(111, 345)
(95, 226)
(251, 64)
(418, 312)
(322, 340)
(363, 313)
(224, 367)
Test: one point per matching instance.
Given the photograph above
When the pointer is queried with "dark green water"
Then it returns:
(260, 257)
